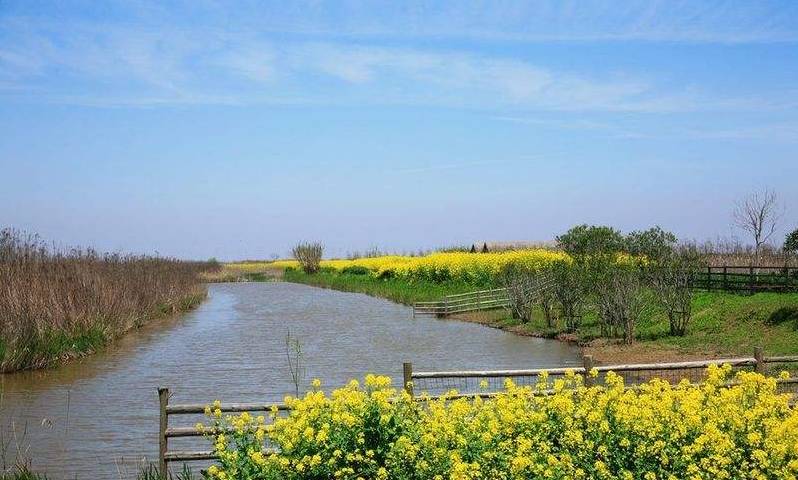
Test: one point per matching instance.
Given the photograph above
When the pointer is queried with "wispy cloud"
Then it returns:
(154, 57)
(98, 66)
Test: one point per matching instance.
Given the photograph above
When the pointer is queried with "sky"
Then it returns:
(202, 129)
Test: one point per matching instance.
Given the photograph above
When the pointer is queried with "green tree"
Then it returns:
(590, 240)
(655, 243)
(791, 242)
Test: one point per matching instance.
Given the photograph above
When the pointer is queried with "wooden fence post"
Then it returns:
(163, 398)
(587, 363)
(407, 371)
(751, 279)
(759, 356)
(709, 279)
(725, 278)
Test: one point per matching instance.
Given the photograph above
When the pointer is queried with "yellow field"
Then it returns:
(464, 266)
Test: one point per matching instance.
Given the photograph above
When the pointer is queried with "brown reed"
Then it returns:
(58, 304)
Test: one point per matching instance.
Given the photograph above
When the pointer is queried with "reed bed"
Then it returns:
(58, 304)
(723, 252)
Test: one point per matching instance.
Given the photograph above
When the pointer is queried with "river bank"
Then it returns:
(95, 417)
(723, 324)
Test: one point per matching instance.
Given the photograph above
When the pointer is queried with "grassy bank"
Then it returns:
(58, 305)
(397, 290)
(723, 323)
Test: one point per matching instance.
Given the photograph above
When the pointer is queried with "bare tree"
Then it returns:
(671, 280)
(527, 288)
(309, 255)
(759, 215)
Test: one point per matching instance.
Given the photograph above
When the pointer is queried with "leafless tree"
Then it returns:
(308, 255)
(759, 215)
(671, 280)
(526, 289)
(619, 292)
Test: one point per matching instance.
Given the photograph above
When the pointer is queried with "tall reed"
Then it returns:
(57, 304)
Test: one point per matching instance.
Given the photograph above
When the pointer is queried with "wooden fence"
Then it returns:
(414, 382)
(464, 302)
(750, 279)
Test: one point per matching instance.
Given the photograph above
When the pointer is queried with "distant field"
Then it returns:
(475, 269)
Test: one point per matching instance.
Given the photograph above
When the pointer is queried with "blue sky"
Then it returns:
(205, 128)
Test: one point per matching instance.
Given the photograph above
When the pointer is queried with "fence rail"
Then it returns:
(413, 380)
(464, 302)
(748, 279)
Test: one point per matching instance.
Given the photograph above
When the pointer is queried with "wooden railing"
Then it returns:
(464, 302)
(748, 279)
(166, 456)
(634, 373)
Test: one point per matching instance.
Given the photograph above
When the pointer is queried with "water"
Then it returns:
(98, 418)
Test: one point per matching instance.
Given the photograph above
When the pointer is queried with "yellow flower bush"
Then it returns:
(657, 431)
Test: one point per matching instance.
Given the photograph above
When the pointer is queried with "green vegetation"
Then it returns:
(395, 289)
(22, 472)
(149, 472)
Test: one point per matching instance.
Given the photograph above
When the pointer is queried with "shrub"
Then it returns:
(658, 431)
(356, 270)
(308, 255)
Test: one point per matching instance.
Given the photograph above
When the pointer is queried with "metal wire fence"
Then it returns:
(487, 382)
(183, 443)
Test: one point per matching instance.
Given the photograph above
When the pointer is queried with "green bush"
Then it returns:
(356, 270)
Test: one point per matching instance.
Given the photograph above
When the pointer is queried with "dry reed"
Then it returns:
(56, 304)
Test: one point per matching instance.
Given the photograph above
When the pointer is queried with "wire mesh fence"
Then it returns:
(487, 382)
(184, 443)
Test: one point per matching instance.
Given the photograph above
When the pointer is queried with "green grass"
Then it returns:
(723, 323)
(400, 291)
(149, 472)
(22, 473)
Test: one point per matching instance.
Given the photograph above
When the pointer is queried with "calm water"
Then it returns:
(98, 418)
